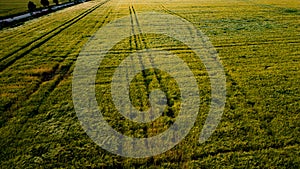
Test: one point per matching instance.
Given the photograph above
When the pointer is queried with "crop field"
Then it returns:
(17, 6)
(257, 42)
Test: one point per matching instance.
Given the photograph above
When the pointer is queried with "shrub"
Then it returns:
(45, 3)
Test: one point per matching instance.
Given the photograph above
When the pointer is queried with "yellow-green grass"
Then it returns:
(257, 42)
(17, 6)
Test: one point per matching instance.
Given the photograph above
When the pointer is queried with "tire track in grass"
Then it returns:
(178, 49)
(155, 76)
(32, 106)
(108, 67)
(135, 33)
(136, 44)
(138, 91)
(12, 57)
(142, 41)
(140, 44)
(58, 74)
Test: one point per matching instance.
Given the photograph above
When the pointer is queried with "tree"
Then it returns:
(45, 3)
(56, 2)
(31, 6)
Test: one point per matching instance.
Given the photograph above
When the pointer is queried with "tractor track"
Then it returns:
(138, 42)
(54, 78)
(15, 55)
(135, 42)
(139, 38)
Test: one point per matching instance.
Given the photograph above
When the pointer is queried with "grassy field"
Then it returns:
(257, 42)
(16, 6)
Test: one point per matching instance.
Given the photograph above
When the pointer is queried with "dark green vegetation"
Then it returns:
(257, 42)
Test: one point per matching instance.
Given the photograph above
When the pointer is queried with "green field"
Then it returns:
(258, 43)
(16, 6)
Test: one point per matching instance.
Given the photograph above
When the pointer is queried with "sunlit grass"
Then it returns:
(258, 45)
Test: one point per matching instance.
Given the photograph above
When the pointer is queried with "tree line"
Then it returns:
(44, 3)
